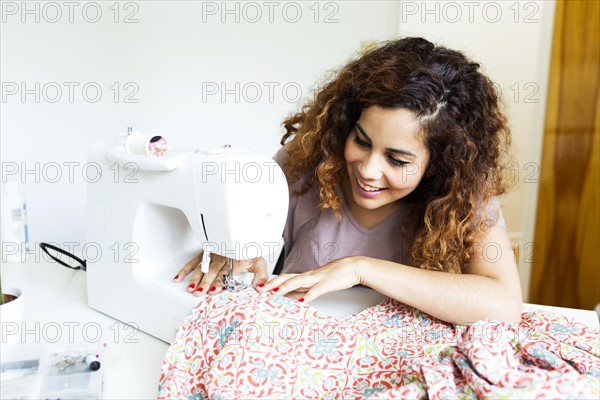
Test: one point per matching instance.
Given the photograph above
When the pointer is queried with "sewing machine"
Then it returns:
(148, 216)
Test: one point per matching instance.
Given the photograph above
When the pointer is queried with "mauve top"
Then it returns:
(314, 238)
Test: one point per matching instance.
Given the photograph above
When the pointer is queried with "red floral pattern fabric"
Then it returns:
(252, 345)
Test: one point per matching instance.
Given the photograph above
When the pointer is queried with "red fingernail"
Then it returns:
(301, 300)
(176, 276)
(200, 289)
(212, 289)
(261, 285)
(192, 285)
(276, 289)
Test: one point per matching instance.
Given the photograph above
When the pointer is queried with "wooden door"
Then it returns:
(566, 251)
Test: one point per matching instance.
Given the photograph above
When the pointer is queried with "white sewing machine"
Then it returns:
(148, 216)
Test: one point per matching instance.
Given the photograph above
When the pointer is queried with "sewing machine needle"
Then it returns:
(230, 267)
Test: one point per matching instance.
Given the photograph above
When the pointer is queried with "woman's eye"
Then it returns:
(360, 142)
(397, 162)
(393, 161)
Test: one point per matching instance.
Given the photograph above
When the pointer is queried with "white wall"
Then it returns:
(512, 41)
(172, 52)
(168, 57)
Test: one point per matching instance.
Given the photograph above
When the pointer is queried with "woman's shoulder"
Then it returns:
(303, 201)
(281, 156)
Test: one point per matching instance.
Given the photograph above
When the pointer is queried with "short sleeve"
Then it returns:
(492, 214)
(281, 156)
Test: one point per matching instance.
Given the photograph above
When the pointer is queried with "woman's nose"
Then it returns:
(369, 167)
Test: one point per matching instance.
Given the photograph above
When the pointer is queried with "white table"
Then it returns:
(56, 296)
(55, 301)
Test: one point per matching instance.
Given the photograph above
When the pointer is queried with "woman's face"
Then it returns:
(385, 158)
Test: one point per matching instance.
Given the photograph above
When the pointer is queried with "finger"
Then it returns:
(314, 292)
(296, 295)
(302, 282)
(217, 284)
(259, 269)
(187, 268)
(195, 279)
(208, 284)
(275, 283)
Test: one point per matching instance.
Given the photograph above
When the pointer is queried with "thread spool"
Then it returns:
(92, 362)
(146, 145)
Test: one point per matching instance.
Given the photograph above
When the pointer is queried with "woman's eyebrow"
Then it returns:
(390, 149)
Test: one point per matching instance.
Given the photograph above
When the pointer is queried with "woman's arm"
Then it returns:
(488, 288)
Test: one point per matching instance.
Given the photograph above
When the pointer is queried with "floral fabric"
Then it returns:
(250, 345)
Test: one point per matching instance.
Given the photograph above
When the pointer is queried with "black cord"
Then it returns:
(46, 246)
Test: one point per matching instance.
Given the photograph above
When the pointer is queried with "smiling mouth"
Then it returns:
(368, 188)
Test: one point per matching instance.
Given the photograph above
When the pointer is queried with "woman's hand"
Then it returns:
(336, 275)
(212, 282)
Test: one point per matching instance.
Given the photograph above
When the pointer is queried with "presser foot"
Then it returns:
(232, 284)
(229, 281)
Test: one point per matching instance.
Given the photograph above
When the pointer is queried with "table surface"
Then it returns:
(55, 297)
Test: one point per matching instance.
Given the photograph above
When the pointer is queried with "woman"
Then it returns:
(394, 169)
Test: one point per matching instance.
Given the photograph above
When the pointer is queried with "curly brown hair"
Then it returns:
(462, 125)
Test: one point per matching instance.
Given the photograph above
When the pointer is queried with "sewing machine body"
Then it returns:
(149, 216)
